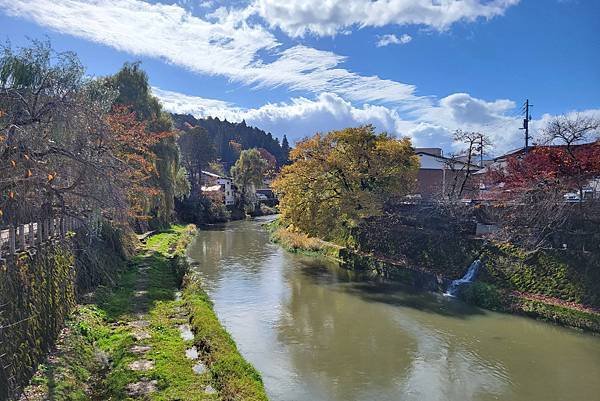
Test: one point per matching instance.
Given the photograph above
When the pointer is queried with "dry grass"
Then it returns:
(298, 241)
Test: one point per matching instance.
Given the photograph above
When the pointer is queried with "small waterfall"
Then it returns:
(467, 278)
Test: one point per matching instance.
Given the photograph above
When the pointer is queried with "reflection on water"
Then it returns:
(318, 332)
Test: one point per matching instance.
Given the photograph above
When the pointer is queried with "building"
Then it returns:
(439, 175)
(218, 188)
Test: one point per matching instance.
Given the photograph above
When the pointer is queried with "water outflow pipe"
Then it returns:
(467, 278)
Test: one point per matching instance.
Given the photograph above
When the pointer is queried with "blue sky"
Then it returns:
(419, 68)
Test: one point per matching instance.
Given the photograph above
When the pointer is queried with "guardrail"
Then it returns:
(19, 238)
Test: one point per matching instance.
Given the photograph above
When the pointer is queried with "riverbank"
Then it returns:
(488, 295)
(301, 243)
(152, 336)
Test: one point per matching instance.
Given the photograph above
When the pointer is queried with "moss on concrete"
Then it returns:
(235, 378)
(565, 274)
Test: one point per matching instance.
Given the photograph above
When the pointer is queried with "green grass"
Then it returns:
(561, 315)
(65, 376)
(235, 378)
(104, 329)
(172, 369)
(176, 380)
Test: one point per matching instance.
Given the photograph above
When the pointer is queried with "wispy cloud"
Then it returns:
(392, 39)
(224, 44)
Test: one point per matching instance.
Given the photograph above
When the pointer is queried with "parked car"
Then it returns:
(571, 197)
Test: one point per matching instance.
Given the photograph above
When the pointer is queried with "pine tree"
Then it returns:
(285, 146)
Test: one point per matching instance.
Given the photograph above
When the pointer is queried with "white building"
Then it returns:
(218, 187)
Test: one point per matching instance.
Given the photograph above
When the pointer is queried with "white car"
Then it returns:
(571, 197)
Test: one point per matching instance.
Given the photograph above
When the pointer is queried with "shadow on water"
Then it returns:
(372, 288)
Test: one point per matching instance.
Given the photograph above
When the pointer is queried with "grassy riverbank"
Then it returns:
(298, 242)
(141, 339)
(492, 293)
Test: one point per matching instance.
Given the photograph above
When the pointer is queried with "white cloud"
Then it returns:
(224, 44)
(198, 106)
(324, 18)
(297, 118)
(498, 119)
(392, 39)
(429, 126)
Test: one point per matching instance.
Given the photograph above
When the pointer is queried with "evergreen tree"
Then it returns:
(285, 147)
(224, 133)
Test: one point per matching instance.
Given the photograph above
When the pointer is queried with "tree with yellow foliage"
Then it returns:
(336, 179)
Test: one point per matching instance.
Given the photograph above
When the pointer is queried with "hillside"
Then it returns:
(224, 132)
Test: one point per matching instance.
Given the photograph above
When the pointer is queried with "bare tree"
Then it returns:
(57, 152)
(462, 164)
(571, 131)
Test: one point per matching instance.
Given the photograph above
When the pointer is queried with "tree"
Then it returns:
(577, 164)
(336, 179)
(133, 92)
(285, 146)
(271, 167)
(570, 130)
(223, 132)
(133, 145)
(462, 164)
(182, 184)
(197, 152)
(534, 184)
(57, 152)
(248, 173)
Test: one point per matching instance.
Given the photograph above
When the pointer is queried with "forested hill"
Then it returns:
(228, 137)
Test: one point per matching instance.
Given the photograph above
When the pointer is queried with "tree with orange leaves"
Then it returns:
(133, 146)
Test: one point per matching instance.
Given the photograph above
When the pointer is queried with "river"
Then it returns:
(317, 332)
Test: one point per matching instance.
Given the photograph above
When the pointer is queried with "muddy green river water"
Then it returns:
(317, 332)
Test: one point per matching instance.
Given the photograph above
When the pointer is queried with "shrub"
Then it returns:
(482, 294)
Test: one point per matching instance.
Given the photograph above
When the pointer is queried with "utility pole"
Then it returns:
(526, 120)
(481, 150)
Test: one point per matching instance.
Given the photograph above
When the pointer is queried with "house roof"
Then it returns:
(521, 150)
(208, 173)
(444, 158)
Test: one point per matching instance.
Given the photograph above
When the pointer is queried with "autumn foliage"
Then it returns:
(338, 178)
(550, 167)
(133, 145)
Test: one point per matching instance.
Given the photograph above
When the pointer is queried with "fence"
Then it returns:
(19, 238)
